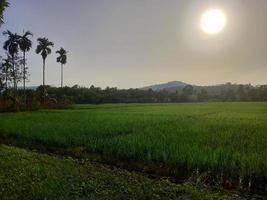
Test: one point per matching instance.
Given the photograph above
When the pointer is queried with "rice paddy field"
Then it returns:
(226, 140)
(27, 175)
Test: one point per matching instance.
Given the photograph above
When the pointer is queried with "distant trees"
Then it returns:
(62, 59)
(202, 95)
(187, 93)
(13, 70)
(96, 95)
(188, 90)
(16, 43)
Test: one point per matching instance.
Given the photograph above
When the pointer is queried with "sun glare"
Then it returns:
(213, 21)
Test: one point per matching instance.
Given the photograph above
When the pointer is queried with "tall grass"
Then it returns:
(222, 137)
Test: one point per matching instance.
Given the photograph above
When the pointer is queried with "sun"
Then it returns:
(213, 21)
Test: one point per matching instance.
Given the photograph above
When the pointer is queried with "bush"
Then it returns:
(6, 106)
(13, 102)
(53, 103)
(64, 104)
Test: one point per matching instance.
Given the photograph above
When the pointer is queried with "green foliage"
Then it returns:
(62, 58)
(11, 45)
(3, 5)
(44, 47)
(227, 138)
(25, 43)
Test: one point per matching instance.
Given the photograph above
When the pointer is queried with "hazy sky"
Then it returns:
(133, 43)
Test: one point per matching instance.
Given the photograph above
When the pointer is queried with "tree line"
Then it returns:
(96, 95)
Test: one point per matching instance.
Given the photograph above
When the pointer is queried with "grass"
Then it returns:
(227, 138)
(27, 175)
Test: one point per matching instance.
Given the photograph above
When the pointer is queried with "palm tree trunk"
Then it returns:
(61, 75)
(15, 83)
(14, 72)
(24, 78)
(43, 80)
(6, 77)
(43, 72)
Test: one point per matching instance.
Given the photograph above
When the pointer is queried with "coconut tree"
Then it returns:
(44, 48)
(25, 45)
(62, 59)
(11, 45)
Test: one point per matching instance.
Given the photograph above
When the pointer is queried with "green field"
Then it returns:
(221, 138)
(27, 175)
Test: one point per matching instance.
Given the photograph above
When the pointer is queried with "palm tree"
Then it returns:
(6, 64)
(62, 58)
(44, 48)
(11, 45)
(25, 45)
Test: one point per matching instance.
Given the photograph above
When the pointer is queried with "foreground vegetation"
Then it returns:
(225, 140)
(26, 175)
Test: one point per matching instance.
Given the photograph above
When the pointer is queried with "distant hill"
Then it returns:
(171, 86)
(177, 86)
(28, 87)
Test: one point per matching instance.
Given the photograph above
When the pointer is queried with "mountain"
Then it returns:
(170, 86)
(28, 87)
(177, 86)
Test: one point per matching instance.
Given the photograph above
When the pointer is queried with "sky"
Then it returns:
(135, 43)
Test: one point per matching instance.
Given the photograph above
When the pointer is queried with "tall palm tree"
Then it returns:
(25, 45)
(11, 45)
(44, 48)
(62, 58)
(6, 65)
